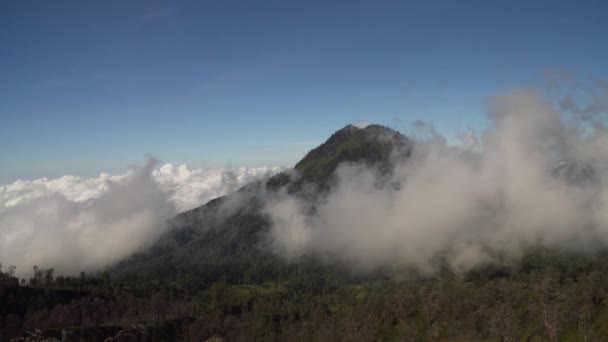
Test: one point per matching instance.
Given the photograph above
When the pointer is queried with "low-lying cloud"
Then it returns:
(535, 176)
(75, 224)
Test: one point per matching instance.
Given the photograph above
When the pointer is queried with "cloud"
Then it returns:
(468, 139)
(362, 124)
(587, 100)
(538, 178)
(191, 188)
(75, 224)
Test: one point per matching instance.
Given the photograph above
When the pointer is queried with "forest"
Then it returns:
(548, 295)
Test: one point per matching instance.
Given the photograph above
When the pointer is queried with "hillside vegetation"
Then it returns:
(548, 296)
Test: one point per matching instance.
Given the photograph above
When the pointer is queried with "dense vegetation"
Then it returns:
(548, 296)
(372, 145)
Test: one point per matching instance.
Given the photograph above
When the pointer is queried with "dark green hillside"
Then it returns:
(371, 145)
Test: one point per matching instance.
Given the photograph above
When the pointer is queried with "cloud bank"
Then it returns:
(535, 176)
(75, 224)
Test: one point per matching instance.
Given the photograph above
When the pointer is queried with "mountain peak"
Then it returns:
(227, 230)
(371, 144)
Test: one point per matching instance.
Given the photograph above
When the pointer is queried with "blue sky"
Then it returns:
(91, 86)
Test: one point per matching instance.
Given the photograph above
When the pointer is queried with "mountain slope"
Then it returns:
(233, 229)
(370, 145)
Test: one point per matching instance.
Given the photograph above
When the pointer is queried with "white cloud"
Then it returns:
(362, 124)
(73, 224)
(192, 188)
(188, 188)
(468, 139)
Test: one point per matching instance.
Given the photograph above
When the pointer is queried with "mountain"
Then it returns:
(371, 145)
(232, 230)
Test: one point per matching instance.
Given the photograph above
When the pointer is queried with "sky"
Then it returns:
(87, 86)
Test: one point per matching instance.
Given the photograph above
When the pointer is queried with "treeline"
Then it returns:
(547, 296)
(45, 278)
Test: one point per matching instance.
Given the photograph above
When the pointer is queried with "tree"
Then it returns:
(37, 279)
(549, 304)
(48, 277)
(430, 308)
(160, 306)
(506, 312)
(11, 271)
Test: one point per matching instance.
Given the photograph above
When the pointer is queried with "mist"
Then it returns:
(73, 224)
(536, 176)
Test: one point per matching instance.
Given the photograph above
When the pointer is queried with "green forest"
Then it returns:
(547, 296)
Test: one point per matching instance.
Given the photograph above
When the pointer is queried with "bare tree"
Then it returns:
(430, 307)
(549, 305)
